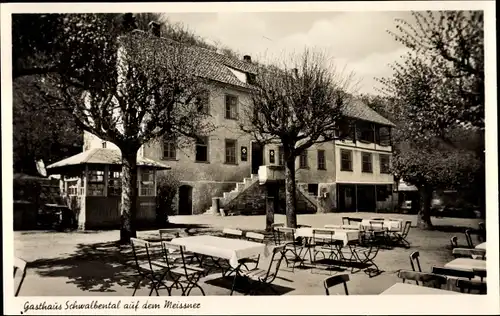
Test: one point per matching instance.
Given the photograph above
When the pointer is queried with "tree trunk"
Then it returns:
(272, 204)
(424, 211)
(290, 193)
(129, 195)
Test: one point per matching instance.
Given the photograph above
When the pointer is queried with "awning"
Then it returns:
(403, 186)
(101, 156)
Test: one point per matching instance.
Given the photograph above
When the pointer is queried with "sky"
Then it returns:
(357, 42)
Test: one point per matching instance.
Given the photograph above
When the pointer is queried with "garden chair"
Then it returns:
(275, 232)
(366, 256)
(336, 280)
(468, 237)
(255, 237)
(414, 258)
(185, 276)
(346, 220)
(19, 266)
(167, 234)
(324, 243)
(427, 279)
(400, 237)
(355, 220)
(469, 253)
(154, 271)
(469, 285)
(467, 274)
(260, 278)
(454, 242)
(286, 236)
(232, 233)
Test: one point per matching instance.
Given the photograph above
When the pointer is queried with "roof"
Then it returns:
(102, 156)
(214, 66)
(359, 110)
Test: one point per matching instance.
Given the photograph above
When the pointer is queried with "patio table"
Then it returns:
(347, 227)
(225, 248)
(467, 264)
(345, 235)
(393, 225)
(409, 289)
(481, 246)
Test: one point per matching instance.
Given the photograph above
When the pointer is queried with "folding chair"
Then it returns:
(186, 276)
(154, 272)
(380, 234)
(260, 278)
(470, 244)
(469, 285)
(286, 236)
(19, 265)
(255, 237)
(454, 242)
(346, 220)
(469, 253)
(414, 258)
(276, 236)
(167, 234)
(336, 280)
(400, 237)
(232, 233)
(427, 279)
(369, 254)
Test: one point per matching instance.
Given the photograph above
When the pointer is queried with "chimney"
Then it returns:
(154, 28)
(247, 58)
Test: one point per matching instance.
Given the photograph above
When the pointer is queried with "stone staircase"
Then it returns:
(312, 199)
(233, 194)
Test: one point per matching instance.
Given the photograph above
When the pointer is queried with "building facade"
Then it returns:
(350, 175)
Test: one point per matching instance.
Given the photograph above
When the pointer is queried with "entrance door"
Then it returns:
(346, 198)
(366, 198)
(257, 157)
(185, 200)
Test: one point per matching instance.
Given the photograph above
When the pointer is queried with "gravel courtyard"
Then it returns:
(92, 264)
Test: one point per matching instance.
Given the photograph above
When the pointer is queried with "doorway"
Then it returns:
(185, 200)
(366, 198)
(257, 157)
(346, 195)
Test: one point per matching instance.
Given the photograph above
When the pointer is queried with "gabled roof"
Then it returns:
(101, 156)
(357, 109)
(214, 66)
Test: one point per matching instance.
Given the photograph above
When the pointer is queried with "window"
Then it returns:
(385, 163)
(366, 162)
(147, 182)
(345, 160)
(203, 102)
(95, 183)
(303, 160)
(321, 159)
(169, 149)
(312, 188)
(365, 132)
(231, 107)
(281, 156)
(384, 136)
(114, 183)
(230, 151)
(202, 149)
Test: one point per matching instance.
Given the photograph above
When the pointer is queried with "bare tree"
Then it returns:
(127, 91)
(298, 107)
